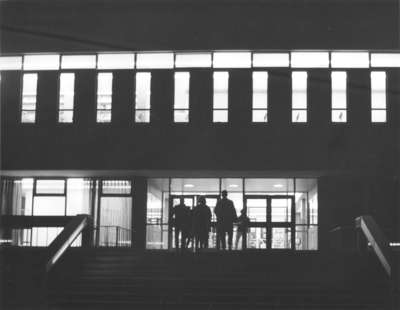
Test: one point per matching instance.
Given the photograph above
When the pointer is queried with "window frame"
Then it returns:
(74, 99)
(213, 97)
(98, 72)
(292, 109)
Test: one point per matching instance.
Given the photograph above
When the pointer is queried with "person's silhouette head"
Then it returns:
(224, 193)
(243, 212)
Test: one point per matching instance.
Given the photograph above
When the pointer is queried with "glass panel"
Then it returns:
(220, 116)
(270, 60)
(115, 61)
(28, 116)
(44, 236)
(260, 116)
(103, 116)
(67, 81)
(66, 116)
(193, 60)
(339, 92)
(299, 90)
(78, 62)
(220, 100)
(350, 59)
(50, 186)
(49, 205)
(205, 186)
(30, 84)
(269, 186)
(142, 116)
(22, 197)
(378, 116)
(281, 210)
(232, 60)
(257, 209)
(281, 238)
(41, 62)
(116, 187)
(79, 196)
(234, 187)
(378, 90)
(306, 201)
(339, 116)
(182, 80)
(385, 60)
(154, 61)
(306, 238)
(260, 90)
(310, 59)
(115, 217)
(299, 116)
(257, 238)
(181, 116)
(10, 63)
(143, 90)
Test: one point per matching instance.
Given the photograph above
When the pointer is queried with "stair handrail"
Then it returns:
(81, 223)
(377, 240)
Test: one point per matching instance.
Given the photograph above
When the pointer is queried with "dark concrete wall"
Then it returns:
(37, 25)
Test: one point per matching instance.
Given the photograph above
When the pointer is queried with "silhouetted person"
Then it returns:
(226, 216)
(182, 221)
(201, 223)
(243, 222)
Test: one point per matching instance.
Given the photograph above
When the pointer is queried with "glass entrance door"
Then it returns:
(271, 222)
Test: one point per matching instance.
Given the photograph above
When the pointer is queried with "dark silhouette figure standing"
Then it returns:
(226, 216)
(242, 227)
(201, 223)
(182, 221)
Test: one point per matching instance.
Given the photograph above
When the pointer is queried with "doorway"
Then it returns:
(272, 222)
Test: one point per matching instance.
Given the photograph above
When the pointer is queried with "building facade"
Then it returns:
(121, 110)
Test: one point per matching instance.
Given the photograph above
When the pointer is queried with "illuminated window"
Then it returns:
(78, 62)
(29, 92)
(339, 97)
(260, 97)
(66, 108)
(104, 97)
(181, 105)
(378, 97)
(220, 99)
(10, 63)
(270, 60)
(41, 62)
(350, 59)
(232, 60)
(310, 60)
(115, 61)
(299, 97)
(155, 60)
(143, 92)
(385, 60)
(193, 60)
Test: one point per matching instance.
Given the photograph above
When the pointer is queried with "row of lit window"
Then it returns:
(170, 60)
(142, 105)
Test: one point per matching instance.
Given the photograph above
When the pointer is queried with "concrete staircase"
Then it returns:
(128, 279)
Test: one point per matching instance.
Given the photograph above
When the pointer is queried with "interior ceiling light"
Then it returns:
(189, 185)
(278, 185)
(233, 185)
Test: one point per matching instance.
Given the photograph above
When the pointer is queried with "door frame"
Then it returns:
(268, 224)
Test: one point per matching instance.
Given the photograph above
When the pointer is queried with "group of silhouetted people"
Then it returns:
(194, 225)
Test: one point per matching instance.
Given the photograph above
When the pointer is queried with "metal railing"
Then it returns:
(377, 240)
(113, 236)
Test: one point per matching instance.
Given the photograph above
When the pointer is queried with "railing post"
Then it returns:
(87, 234)
(117, 237)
